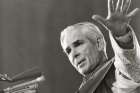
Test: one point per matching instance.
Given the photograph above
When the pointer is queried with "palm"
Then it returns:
(117, 23)
(117, 19)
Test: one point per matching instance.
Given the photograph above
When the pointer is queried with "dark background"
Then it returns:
(29, 37)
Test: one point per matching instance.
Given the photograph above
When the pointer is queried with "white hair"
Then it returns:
(92, 33)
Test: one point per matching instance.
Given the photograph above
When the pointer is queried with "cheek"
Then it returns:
(90, 51)
(92, 55)
(70, 59)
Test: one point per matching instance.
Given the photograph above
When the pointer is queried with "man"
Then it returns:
(85, 46)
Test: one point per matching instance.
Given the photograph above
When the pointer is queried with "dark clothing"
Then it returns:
(99, 81)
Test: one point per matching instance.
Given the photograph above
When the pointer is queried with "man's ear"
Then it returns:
(100, 43)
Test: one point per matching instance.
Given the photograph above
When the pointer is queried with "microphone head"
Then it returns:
(27, 75)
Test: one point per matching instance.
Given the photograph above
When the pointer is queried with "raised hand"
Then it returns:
(118, 18)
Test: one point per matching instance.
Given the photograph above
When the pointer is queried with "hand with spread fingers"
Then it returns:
(118, 18)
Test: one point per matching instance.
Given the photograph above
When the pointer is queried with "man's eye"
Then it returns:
(68, 50)
(77, 43)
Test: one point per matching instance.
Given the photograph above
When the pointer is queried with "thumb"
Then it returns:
(99, 19)
(133, 13)
(102, 21)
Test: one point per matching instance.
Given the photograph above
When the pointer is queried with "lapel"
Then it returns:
(96, 78)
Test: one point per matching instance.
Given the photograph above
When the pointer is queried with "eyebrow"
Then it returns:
(77, 42)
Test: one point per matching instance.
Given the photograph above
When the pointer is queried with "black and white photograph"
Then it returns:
(69, 46)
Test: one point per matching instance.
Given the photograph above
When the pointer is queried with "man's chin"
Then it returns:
(86, 71)
(83, 71)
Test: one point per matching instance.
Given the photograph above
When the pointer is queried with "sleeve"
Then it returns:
(127, 59)
(124, 85)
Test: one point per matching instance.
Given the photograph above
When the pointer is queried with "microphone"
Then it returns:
(22, 87)
(29, 74)
(32, 78)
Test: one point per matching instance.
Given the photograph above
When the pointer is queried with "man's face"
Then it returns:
(82, 53)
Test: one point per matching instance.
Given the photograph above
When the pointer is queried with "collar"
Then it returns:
(91, 81)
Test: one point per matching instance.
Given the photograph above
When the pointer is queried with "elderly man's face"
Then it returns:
(82, 53)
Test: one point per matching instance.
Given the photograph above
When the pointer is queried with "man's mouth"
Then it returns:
(81, 61)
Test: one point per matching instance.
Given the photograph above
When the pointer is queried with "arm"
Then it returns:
(123, 39)
(127, 56)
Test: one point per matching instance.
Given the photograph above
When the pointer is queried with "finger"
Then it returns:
(119, 6)
(126, 6)
(122, 6)
(133, 13)
(99, 19)
(110, 7)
